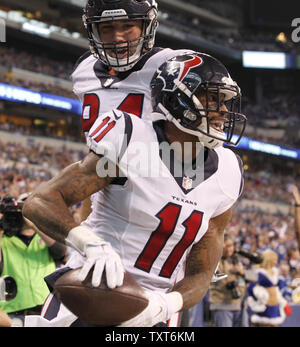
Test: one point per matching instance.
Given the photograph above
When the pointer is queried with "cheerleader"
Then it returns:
(267, 305)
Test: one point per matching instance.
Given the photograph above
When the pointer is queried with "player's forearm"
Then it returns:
(195, 285)
(192, 293)
(48, 211)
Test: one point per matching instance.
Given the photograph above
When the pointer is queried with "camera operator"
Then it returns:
(27, 255)
(226, 296)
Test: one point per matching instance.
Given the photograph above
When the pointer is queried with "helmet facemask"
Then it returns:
(189, 115)
(108, 52)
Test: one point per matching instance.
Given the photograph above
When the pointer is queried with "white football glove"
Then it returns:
(99, 254)
(160, 308)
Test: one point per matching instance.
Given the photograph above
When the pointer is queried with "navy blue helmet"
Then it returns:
(173, 91)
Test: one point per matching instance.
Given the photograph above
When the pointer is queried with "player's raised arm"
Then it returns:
(47, 208)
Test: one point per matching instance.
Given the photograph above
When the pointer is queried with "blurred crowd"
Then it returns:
(234, 39)
(276, 111)
(44, 130)
(39, 63)
(265, 185)
(36, 62)
(257, 231)
(23, 167)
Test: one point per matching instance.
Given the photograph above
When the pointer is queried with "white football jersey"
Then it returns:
(100, 92)
(153, 220)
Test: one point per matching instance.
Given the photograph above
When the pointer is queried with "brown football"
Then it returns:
(100, 305)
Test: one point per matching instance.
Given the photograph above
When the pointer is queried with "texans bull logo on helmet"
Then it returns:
(178, 70)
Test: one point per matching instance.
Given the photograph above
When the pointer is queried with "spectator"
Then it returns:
(285, 281)
(226, 296)
(28, 256)
(294, 261)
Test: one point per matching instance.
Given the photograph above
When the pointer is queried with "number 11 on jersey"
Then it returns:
(168, 217)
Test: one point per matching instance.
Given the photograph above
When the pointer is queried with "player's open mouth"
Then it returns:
(120, 53)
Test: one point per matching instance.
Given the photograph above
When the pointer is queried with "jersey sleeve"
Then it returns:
(230, 179)
(110, 135)
(83, 75)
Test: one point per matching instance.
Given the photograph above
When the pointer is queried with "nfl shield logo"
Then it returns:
(187, 183)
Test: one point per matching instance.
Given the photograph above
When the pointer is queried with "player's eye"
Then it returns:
(213, 98)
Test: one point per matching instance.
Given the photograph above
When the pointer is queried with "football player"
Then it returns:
(152, 226)
(117, 71)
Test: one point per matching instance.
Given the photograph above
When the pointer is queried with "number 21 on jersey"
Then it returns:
(133, 103)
